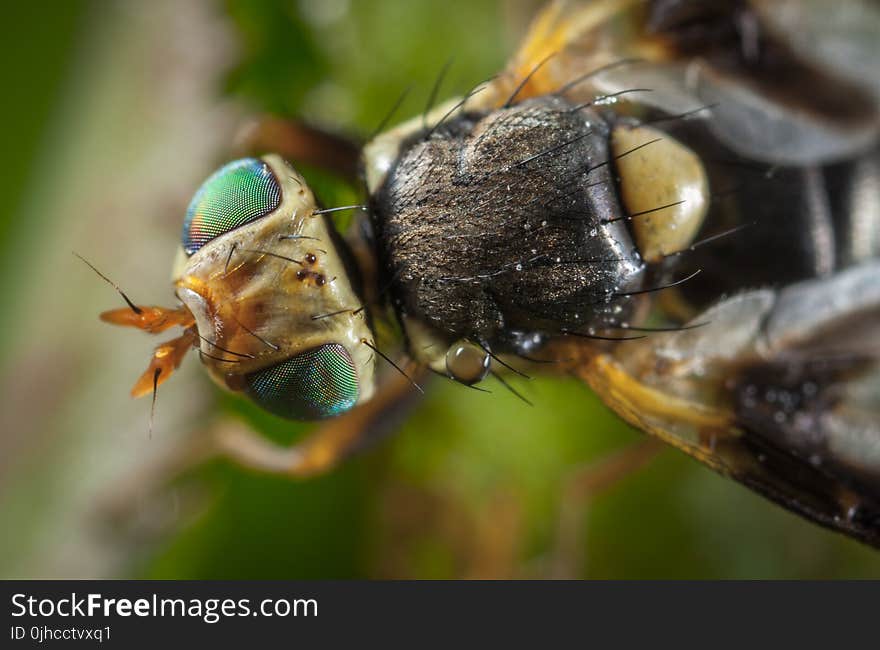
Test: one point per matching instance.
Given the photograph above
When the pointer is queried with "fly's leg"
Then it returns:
(300, 143)
(581, 487)
(329, 444)
(655, 411)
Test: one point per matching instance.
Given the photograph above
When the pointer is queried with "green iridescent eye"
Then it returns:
(236, 194)
(318, 383)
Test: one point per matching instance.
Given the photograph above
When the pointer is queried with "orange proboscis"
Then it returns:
(149, 319)
(166, 358)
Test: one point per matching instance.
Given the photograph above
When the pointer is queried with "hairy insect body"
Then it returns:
(502, 227)
(731, 198)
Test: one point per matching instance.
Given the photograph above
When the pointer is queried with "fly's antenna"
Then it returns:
(137, 310)
(432, 96)
(393, 365)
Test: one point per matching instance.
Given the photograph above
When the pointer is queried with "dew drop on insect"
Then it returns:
(851, 513)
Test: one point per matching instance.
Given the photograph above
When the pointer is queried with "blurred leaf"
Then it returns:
(280, 61)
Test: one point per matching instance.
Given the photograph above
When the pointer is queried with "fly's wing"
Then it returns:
(779, 390)
(785, 82)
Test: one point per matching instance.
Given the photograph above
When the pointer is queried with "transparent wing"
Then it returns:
(787, 82)
(780, 390)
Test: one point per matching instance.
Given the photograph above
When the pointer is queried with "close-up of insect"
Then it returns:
(656, 225)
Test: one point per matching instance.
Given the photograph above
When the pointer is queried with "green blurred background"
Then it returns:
(114, 113)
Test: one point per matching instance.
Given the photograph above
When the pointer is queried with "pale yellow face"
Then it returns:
(276, 309)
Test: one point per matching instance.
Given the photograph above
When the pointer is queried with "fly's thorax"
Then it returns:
(499, 225)
(259, 291)
(381, 153)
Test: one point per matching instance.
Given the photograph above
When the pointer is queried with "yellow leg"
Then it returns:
(329, 444)
(582, 486)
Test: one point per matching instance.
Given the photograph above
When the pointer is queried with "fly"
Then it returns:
(679, 210)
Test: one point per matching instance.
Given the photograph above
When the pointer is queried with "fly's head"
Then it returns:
(258, 271)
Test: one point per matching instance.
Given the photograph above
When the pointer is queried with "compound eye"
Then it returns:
(318, 383)
(237, 193)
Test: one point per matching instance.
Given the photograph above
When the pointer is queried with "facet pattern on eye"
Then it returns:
(236, 194)
(319, 383)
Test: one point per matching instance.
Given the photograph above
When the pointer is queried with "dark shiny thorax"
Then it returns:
(495, 226)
